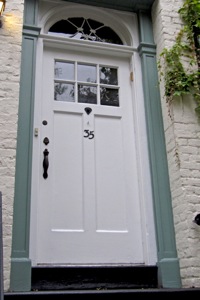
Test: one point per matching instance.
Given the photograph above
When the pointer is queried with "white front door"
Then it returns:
(88, 206)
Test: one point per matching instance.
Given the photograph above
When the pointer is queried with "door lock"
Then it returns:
(46, 141)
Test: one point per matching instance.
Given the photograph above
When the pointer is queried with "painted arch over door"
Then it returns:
(167, 257)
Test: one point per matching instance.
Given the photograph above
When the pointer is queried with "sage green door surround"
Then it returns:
(168, 264)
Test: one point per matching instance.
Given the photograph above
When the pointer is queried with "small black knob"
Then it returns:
(46, 141)
(197, 219)
(44, 122)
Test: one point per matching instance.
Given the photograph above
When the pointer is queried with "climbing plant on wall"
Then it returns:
(181, 66)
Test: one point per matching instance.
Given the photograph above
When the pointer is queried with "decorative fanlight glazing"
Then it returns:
(85, 29)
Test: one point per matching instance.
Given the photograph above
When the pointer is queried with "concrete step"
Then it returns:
(94, 277)
(127, 294)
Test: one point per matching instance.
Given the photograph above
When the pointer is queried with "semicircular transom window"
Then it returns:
(85, 29)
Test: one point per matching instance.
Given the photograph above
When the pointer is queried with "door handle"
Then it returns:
(45, 163)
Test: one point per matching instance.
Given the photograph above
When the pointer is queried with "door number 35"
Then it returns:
(89, 134)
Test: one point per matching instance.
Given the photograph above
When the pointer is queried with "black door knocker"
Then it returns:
(88, 110)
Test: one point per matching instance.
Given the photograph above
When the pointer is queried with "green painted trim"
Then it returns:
(168, 264)
(125, 5)
(20, 279)
(147, 49)
(168, 273)
(21, 268)
(145, 27)
(32, 31)
(30, 12)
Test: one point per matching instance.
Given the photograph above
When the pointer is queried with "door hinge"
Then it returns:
(131, 76)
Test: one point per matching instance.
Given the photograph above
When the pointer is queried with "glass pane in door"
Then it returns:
(64, 70)
(64, 92)
(87, 73)
(109, 96)
(108, 76)
(87, 94)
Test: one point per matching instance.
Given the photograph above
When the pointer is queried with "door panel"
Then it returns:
(67, 172)
(88, 206)
(110, 175)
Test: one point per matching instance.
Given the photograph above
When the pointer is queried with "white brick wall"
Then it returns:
(182, 134)
(10, 49)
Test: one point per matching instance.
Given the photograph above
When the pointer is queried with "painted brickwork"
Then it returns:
(183, 149)
(182, 138)
(10, 56)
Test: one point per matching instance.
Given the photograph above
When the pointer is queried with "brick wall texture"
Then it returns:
(10, 56)
(182, 134)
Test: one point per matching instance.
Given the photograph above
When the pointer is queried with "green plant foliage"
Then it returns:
(181, 68)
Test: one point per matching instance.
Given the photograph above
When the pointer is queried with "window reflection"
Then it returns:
(109, 96)
(78, 82)
(64, 92)
(87, 94)
(87, 73)
(108, 75)
(64, 70)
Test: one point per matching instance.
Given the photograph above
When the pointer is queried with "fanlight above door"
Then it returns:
(85, 29)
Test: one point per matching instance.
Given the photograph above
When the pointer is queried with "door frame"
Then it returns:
(130, 54)
(168, 263)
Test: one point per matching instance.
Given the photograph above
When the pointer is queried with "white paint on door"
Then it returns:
(89, 207)
(95, 207)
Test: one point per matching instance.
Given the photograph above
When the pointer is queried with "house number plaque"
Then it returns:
(89, 134)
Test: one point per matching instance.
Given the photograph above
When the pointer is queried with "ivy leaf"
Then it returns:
(177, 93)
(179, 80)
